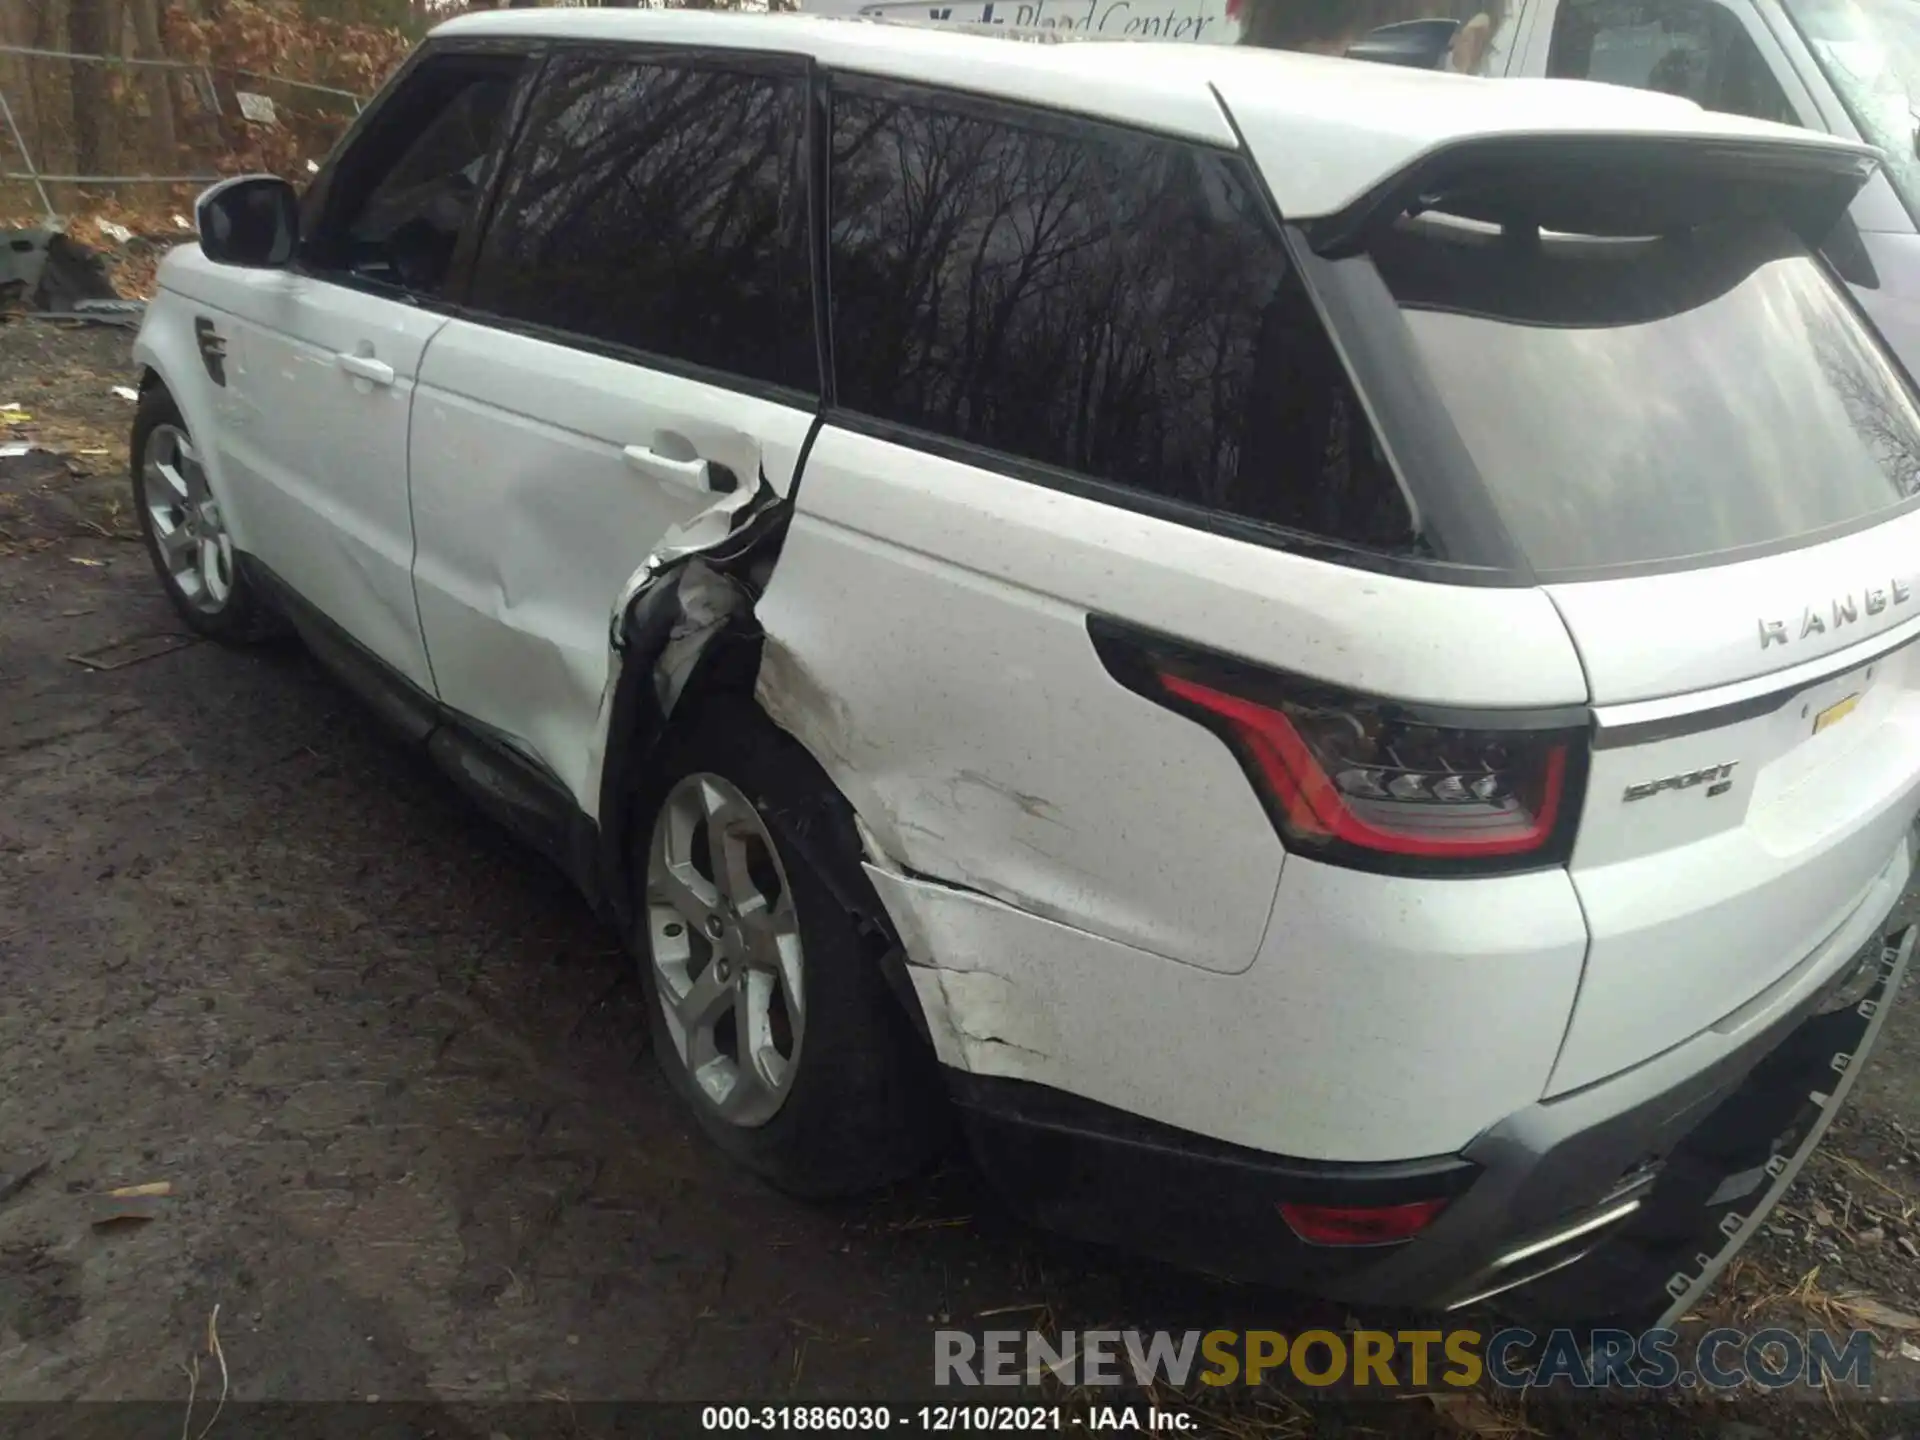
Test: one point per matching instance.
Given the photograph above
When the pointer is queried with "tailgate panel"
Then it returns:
(1733, 835)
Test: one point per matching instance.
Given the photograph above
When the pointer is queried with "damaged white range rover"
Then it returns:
(1322, 653)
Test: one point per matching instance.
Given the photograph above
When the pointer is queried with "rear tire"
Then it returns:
(186, 536)
(769, 1016)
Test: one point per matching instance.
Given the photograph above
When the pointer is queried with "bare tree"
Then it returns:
(90, 29)
(158, 82)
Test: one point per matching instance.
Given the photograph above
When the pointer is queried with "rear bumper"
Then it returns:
(1621, 1201)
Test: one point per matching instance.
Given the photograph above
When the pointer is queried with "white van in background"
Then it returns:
(1426, 34)
(1204, 21)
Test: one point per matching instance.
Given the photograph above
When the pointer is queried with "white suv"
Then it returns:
(1320, 652)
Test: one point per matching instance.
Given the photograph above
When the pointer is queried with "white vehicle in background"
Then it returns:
(1207, 22)
(1849, 68)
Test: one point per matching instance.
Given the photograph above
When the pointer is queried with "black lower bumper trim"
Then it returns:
(1102, 1174)
(1619, 1202)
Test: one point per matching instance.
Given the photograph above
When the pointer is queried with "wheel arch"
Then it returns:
(685, 641)
(170, 359)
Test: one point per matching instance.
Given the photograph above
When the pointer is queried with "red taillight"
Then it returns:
(1405, 790)
(1370, 782)
(1360, 1224)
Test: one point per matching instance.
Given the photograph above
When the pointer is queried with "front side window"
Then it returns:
(659, 208)
(1695, 49)
(1637, 401)
(1096, 301)
(406, 191)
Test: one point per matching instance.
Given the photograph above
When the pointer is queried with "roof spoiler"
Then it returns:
(1612, 185)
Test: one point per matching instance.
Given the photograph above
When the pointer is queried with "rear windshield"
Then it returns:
(1648, 400)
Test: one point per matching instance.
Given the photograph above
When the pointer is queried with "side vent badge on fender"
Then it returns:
(213, 350)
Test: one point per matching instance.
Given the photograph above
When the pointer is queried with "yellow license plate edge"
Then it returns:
(1835, 712)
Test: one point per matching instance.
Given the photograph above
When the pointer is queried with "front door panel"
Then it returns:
(325, 376)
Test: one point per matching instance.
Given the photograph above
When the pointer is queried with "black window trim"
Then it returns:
(768, 390)
(819, 226)
(746, 62)
(1405, 413)
(1160, 507)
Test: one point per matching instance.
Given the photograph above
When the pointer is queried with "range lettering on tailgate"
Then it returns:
(1841, 610)
(1717, 778)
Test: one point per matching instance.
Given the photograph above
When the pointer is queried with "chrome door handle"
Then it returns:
(695, 474)
(365, 367)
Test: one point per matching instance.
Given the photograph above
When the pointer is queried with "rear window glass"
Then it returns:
(1647, 400)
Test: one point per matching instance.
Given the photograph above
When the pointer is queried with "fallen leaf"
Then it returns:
(1909, 1350)
(126, 392)
(91, 564)
(1872, 1312)
(154, 1187)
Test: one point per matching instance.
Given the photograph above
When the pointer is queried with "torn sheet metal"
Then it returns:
(697, 586)
(982, 1015)
(710, 530)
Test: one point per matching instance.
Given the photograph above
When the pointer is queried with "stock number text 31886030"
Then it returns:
(879, 1419)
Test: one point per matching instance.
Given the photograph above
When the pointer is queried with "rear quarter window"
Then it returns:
(1096, 301)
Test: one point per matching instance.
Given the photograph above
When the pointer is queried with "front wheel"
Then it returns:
(768, 1014)
(186, 534)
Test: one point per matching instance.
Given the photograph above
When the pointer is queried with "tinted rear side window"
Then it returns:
(660, 208)
(1652, 400)
(1095, 300)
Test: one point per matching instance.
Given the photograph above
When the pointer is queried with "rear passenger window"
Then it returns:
(659, 208)
(1094, 300)
(1691, 48)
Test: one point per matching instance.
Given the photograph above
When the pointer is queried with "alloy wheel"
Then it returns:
(727, 963)
(195, 550)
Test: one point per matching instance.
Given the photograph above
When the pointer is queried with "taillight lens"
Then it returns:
(1371, 782)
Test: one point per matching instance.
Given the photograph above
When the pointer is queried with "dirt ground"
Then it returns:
(394, 1073)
